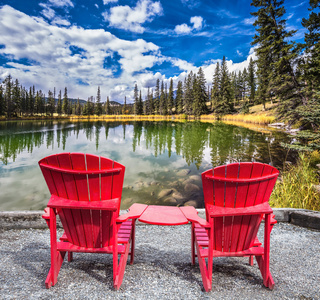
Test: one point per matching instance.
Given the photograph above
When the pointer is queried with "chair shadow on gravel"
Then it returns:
(34, 259)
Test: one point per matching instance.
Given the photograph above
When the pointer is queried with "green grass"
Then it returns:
(296, 187)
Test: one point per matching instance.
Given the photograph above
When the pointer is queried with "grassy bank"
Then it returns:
(297, 186)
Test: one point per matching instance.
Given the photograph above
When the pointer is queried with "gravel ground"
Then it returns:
(162, 268)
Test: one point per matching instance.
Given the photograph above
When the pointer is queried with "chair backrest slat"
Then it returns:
(237, 233)
(92, 182)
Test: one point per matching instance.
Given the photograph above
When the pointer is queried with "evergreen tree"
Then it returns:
(188, 94)
(50, 103)
(163, 106)
(179, 98)
(140, 105)
(2, 102)
(170, 98)
(151, 102)
(251, 81)
(65, 103)
(136, 99)
(276, 56)
(59, 104)
(31, 101)
(215, 93)
(8, 95)
(124, 110)
(108, 108)
(98, 107)
(78, 108)
(157, 97)
(200, 94)
(311, 47)
(225, 103)
(16, 98)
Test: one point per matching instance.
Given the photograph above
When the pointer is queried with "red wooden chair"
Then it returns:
(236, 200)
(86, 194)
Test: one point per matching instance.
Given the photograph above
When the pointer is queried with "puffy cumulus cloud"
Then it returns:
(197, 22)
(74, 57)
(130, 19)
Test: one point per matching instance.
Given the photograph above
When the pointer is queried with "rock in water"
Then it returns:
(183, 172)
(165, 193)
(190, 187)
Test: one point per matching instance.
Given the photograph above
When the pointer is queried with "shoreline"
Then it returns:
(32, 219)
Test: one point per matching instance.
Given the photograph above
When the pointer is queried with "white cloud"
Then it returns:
(68, 56)
(249, 21)
(105, 2)
(127, 18)
(197, 22)
(185, 29)
(239, 53)
(61, 3)
(49, 13)
(55, 64)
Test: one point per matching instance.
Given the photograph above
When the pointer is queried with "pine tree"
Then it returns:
(98, 107)
(124, 110)
(140, 105)
(108, 108)
(151, 102)
(2, 102)
(311, 47)
(78, 108)
(50, 103)
(16, 97)
(215, 93)
(200, 94)
(170, 98)
(251, 81)
(276, 56)
(157, 97)
(31, 101)
(225, 103)
(188, 94)
(65, 103)
(136, 99)
(163, 106)
(179, 98)
(59, 104)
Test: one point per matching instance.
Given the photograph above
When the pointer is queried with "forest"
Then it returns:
(285, 72)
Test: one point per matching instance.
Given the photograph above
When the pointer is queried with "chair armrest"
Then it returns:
(273, 219)
(59, 202)
(46, 214)
(218, 211)
(135, 211)
(192, 215)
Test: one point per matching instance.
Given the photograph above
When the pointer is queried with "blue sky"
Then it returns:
(117, 43)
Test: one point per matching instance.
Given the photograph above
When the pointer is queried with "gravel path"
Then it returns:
(162, 268)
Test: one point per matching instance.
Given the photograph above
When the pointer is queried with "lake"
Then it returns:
(163, 160)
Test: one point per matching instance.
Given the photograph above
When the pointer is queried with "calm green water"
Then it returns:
(163, 160)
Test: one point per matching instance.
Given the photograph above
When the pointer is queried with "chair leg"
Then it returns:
(133, 236)
(206, 272)
(263, 262)
(70, 256)
(56, 263)
(251, 260)
(193, 254)
(118, 275)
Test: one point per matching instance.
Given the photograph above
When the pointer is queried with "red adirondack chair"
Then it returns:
(86, 194)
(236, 200)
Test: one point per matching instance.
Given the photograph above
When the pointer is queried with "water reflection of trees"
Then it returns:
(227, 143)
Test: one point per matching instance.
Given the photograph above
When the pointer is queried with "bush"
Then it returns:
(296, 188)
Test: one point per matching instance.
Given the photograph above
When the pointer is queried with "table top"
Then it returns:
(163, 215)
